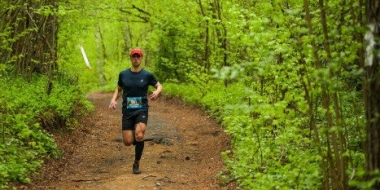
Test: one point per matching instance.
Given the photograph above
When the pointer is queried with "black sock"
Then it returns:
(139, 150)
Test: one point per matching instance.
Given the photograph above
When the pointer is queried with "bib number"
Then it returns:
(134, 102)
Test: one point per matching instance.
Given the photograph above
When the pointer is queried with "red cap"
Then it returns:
(136, 51)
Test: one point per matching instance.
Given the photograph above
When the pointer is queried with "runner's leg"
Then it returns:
(127, 137)
(140, 130)
(140, 127)
(127, 127)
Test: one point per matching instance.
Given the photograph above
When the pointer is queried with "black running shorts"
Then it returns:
(129, 121)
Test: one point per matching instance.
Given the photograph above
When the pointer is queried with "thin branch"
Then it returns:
(43, 36)
(141, 10)
(145, 19)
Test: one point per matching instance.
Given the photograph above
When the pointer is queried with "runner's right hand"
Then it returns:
(112, 104)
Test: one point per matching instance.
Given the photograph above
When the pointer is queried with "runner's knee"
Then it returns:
(140, 130)
(127, 142)
(139, 137)
(127, 138)
(140, 126)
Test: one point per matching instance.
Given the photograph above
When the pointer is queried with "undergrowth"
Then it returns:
(27, 115)
(272, 146)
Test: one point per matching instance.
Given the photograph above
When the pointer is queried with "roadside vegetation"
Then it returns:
(28, 115)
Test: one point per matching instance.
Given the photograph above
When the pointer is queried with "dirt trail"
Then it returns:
(185, 152)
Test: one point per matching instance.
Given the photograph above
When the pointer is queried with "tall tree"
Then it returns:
(372, 89)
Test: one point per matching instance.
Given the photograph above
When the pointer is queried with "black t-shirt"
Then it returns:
(135, 89)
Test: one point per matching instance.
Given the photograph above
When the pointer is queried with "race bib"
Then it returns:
(134, 102)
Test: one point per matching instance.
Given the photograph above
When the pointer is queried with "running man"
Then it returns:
(134, 83)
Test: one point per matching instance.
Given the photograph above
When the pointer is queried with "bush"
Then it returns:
(271, 140)
(27, 113)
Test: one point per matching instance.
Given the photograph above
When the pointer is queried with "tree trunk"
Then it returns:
(100, 48)
(337, 138)
(207, 39)
(371, 91)
(31, 38)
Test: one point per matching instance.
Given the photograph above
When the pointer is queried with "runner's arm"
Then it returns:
(155, 93)
(115, 96)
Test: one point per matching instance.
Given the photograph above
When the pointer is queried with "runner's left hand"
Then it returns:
(154, 95)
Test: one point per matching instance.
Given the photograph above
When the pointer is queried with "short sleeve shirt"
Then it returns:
(135, 90)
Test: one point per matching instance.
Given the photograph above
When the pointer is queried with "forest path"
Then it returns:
(185, 152)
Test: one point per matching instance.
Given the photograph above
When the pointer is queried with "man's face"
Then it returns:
(136, 60)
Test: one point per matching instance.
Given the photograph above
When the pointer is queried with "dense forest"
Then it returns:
(294, 83)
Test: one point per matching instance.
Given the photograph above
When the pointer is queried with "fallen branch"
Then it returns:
(84, 180)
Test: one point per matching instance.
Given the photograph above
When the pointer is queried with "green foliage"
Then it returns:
(27, 111)
(27, 35)
(273, 150)
(192, 94)
(257, 67)
(361, 183)
(107, 30)
(270, 94)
